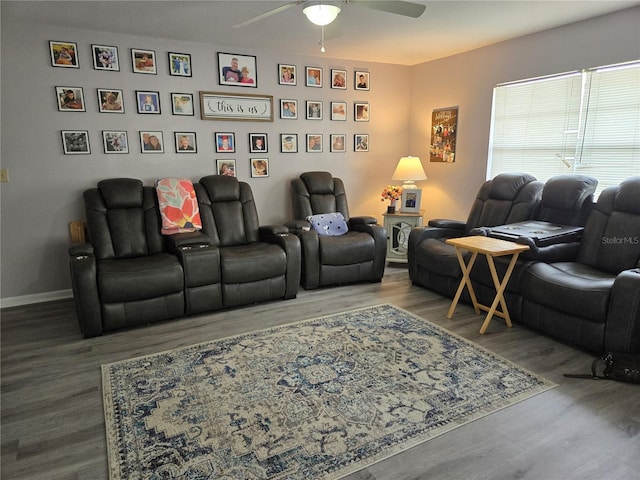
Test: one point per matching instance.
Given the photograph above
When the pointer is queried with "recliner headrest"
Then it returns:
(627, 198)
(568, 192)
(121, 192)
(318, 182)
(221, 188)
(507, 185)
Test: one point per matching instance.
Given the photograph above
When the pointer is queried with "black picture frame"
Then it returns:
(232, 68)
(180, 64)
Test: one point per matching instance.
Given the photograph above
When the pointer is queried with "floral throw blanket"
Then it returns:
(178, 205)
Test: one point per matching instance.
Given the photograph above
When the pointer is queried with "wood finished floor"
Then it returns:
(53, 424)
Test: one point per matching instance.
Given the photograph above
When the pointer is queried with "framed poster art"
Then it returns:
(225, 142)
(339, 111)
(234, 106)
(361, 112)
(151, 141)
(289, 142)
(237, 70)
(144, 61)
(75, 142)
(259, 167)
(180, 64)
(105, 57)
(287, 74)
(288, 109)
(185, 142)
(70, 99)
(411, 198)
(110, 100)
(314, 143)
(314, 110)
(339, 79)
(361, 142)
(148, 102)
(313, 77)
(226, 166)
(115, 141)
(444, 128)
(361, 80)
(258, 143)
(338, 143)
(64, 54)
(182, 104)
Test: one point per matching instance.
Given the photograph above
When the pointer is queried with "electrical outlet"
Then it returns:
(4, 175)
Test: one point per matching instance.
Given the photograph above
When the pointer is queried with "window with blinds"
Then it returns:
(583, 122)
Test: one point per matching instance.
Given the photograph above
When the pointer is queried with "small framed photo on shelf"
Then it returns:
(361, 142)
(259, 167)
(151, 141)
(105, 57)
(75, 142)
(180, 64)
(110, 100)
(314, 110)
(314, 143)
(258, 143)
(64, 54)
(225, 142)
(70, 99)
(411, 198)
(287, 74)
(339, 111)
(313, 76)
(339, 79)
(361, 80)
(226, 166)
(237, 70)
(144, 61)
(148, 101)
(115, 141)
(288, 109)
(338, 143)
(289, 142)
(186, 142)
(361, 112)
(182, 104)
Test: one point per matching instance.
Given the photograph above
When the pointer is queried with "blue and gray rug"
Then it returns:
(319, 399)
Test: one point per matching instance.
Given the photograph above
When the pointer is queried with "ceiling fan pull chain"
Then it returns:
(322, 50)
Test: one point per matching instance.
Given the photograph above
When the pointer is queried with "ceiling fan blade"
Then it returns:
(279, 9)
(408, 9)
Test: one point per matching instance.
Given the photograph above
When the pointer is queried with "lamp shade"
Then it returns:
(321, 13)
(409, 170)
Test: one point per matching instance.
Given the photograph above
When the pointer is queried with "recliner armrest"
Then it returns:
(80, 249)
(273, 229)
(299, 225)
(560, 252)
(446, 223)
(82, 263)
(187, 239)
(363, 220)
(622, 331)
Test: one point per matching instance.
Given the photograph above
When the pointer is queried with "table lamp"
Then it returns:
(409, 170)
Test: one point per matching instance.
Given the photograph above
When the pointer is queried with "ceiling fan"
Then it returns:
(407, 9)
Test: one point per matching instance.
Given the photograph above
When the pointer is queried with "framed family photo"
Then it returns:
(115, 141)
(339, 79)
(144, 61)
(313, 77)
(148, 102)
(105, 57)
(259, 167)
(110, 100)
(70, 99)
(185, 142)
(361, 112)
(287, 74)
(361, 80)
(361, 142)
(411, 198)
(75, 142)
(226, 166)
(314, 143)
(237, 70)
(151, 141)
(258, 143)
(339, 111)
(64, 54)
(180, 64)
(289, 142)
(182, 104)
(338, 143)
(314, 110)
(225, 142)
(288, 109)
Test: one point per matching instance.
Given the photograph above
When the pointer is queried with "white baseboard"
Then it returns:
(35, 298)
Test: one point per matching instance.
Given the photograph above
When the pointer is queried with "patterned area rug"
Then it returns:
(318, 399)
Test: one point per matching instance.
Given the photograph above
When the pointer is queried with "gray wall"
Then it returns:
(44, 193)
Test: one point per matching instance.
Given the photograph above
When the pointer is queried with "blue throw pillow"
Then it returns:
(331, 224)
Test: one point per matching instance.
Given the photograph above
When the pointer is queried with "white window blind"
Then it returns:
(584, 122)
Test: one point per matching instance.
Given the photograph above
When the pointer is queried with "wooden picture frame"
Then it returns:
(314, 143)
(237, 70)
(338, 79)
(225, 142)
(105, 57)
(287, 74)
(314, 109)
(185, 142)
(361, 142)
(289, 142)
(288, 109)
(313, 77)
(110, 100)
(411, 198)
(115, 141)
(339, 111)
(70, 99)
(361, 80)
(226, 166)
(151, 141)
(148, 102)
(258, 143)
(259, 167)
(144, 61)
(236, 106)
(64, 54)
(338, 143)
(75, 142)
(182, 104)
(180, 64)
(361, 112)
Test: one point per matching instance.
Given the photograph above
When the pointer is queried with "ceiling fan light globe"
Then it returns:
(321, 14)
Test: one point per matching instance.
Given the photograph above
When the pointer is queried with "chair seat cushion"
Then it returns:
(331, 224)
(569, 287)
(139, 278)
(350, 248)
(252, 262)
(435, 255)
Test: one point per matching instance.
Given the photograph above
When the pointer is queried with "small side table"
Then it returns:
(398, 226)
(489, 247)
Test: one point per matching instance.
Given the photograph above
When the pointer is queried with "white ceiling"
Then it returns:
(446, 28)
